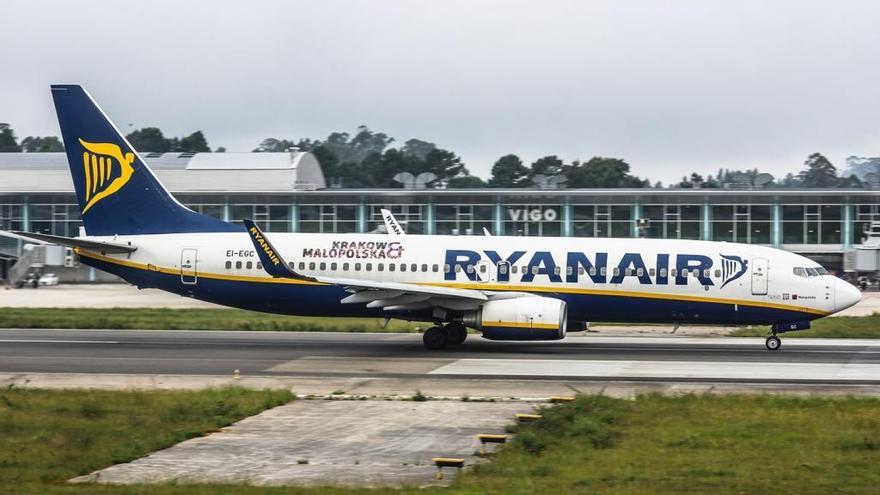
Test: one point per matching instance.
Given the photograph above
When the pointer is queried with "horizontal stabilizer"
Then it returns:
(74, 242)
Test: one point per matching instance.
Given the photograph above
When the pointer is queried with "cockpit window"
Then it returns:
(809, 272)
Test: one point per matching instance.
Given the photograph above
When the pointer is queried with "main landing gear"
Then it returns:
(436, 338)
(773, 342)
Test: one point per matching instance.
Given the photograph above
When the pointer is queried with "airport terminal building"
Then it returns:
(285, 192)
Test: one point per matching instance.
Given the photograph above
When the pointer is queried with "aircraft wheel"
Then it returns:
(773, 343)
(434, 339)
(456, 334)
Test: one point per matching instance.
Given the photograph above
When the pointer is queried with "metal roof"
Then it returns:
(179, 172)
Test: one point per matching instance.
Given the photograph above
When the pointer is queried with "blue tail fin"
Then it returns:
(116, 191)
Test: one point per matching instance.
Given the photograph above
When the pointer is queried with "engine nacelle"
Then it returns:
(522, 318)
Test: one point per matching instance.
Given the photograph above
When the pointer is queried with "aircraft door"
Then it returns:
(502, 270)
(188, 266)
(760, 276)
(486, 271)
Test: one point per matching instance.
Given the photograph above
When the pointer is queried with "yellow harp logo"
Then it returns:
(98, 165)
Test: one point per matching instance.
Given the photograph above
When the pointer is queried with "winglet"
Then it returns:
(272, 260)
(486, 232)
(391, 224)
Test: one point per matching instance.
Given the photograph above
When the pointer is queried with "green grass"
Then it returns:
(47, 436)
(654, 445)
(841, 327)
(189, 319)
(692, 444)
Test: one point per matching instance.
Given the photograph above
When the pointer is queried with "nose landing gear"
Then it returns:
(773, 342)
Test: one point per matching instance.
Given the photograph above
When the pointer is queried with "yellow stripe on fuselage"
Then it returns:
(472, 285)
(515, 324)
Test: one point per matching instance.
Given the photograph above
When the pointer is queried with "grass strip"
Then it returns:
(49, 436)
(691, 444)
(189, 319)
(839, 327)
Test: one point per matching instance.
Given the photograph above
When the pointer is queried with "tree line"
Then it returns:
(369, 159)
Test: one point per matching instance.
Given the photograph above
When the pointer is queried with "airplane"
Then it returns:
(507, 288)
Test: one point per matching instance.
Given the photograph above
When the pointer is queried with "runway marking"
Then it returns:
(663, 369)
(56, 341)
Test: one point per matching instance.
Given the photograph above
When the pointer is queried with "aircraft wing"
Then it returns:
(103, 246)
(390, 296)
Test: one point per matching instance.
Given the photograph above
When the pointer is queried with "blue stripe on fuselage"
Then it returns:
(323, 300)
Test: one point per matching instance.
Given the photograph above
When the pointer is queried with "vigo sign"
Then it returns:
(532, 214)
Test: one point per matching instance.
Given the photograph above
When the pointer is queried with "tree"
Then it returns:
(7, 139)
(418, 148)
(48, 144)
(509, 171)
(194, 143)
(273, 145)
(149, 140)
(602, 172)
(220, 149)
(820, 172)
(547, 165)
(465, 182)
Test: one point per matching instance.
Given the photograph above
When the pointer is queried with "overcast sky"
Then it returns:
(671, 87)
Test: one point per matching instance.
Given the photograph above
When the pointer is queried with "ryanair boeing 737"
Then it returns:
(508, 288)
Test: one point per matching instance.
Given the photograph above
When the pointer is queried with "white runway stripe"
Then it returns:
(663, 369)
(55, 341)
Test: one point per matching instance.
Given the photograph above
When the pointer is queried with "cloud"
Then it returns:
(672, 87)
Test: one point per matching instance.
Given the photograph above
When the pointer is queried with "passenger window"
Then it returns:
(259, 266)
(664, 272)
(616, 271)
(312, 265)
(557, 270)
(369, 267)
(717, 273)
(249, 265)
(673, 272)
(569, 270)
(302, 265)
(628, 272)
(482, 268)
(799, 271)
(333, 266)
(640, 271)
(228, 265)
(392, 267)
(534, 270)
(470, 268)
(603, 271)
(403, 267)
(457, 268)
(323, 266)
(424, 267)
(684, 272)
(513, 268)
(593, 271)
(435, 268)
(238, 265)
(707, 273)
(652, 272)
(357, 267)
(446, 268)
(414, 267)
(380, 267)
(345, 267)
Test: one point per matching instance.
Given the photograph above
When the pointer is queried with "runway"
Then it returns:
(401, 356)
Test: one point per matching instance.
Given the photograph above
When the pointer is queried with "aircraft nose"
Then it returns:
(845, 295)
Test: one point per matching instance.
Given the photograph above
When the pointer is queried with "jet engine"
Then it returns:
(521, 318)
